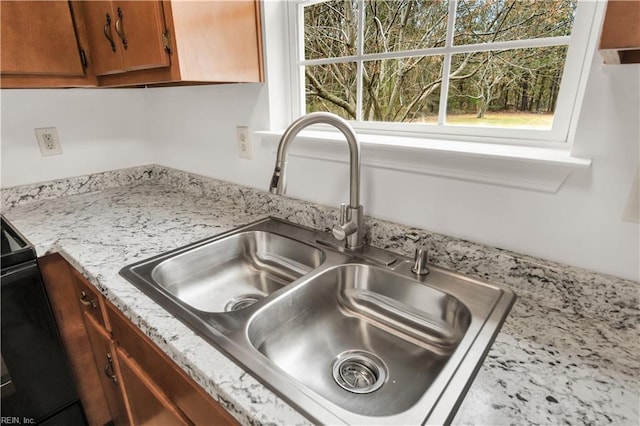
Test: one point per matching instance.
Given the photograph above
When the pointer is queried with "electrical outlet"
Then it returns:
(48, 141)
(632, 211)
(244, 142)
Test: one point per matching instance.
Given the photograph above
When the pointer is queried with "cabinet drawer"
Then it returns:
(91, 302)
(198, 406)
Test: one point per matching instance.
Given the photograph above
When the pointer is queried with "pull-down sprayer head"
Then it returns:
(350, 227)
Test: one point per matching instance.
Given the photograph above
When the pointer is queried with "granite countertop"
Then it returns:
(568, 352)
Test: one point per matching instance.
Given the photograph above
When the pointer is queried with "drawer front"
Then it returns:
(91, 302)
(198, 406)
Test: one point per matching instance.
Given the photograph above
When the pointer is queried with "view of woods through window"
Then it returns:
(493, 63)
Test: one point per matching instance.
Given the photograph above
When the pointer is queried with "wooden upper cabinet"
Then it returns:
(210, 41)
(41, 45)
(620, 38)
(125, 36)
(130, 42)
(218, 40)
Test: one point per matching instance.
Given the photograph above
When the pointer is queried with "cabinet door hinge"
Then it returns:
(83, 58)
(166, 42)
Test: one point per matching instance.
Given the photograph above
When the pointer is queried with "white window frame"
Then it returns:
(567, 107)
(530, 162)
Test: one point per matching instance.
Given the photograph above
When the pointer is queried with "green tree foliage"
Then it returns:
(408, 88)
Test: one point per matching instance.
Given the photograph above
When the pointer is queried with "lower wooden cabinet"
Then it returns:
(126, 378)
(149, 404)
(104, 354)
(175, 384)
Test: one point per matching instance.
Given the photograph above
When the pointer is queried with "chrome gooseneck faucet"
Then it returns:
(350, 227)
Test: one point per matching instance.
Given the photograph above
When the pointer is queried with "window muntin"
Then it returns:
(482, 21)
(430, 101)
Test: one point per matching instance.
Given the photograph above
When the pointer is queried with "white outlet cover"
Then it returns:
(48, 141)
(244, 142)
(632, 211)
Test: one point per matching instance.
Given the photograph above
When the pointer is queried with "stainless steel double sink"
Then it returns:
(343, 336)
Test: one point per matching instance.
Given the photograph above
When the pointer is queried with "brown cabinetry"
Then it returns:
(152, 407)
(202, 42)
(128, 379)
(125, 36)
(179, 388)
(110, 379)
(42, 45)
(130, 43)
(620, 38)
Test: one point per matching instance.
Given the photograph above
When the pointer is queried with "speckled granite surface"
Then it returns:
(567, 354)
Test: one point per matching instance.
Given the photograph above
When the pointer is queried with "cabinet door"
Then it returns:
(620, 37)
(39, 38)
(149, 405)
(125, 36)
(190, 398)
(104, 355)
(59, 282)
(140, 27)
(100, 23)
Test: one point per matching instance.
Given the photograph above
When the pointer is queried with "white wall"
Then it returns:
(581, 224)
(193, 129)
(99, 130)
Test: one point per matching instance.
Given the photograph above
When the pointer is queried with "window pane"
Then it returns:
(515, 88)
(330, 29)
(331, 88)
(402, 90)
(394, 25)
(481, 21)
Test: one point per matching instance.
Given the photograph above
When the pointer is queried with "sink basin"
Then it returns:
(233, 272)
(369, 340)
(344, 336)
(226, 273)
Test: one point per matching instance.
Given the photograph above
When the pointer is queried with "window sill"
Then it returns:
(534, 168)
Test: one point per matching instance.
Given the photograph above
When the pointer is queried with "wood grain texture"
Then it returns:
(151, 406)
(142, 23)
(198, 406)
(217, 40)
(90, 301)
(102, 58)
(38, 37)
(58, 282)
(211, 42)
(620, 38)
(102, 347)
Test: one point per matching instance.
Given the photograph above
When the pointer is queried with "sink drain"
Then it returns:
(359, 371)
(242, 302)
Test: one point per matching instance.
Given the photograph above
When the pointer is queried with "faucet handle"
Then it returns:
(345, 227)
(420, 260)
(340, 232)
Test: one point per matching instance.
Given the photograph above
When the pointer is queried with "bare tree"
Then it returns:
(408, 88)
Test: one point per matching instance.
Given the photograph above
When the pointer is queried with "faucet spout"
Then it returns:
(350, 227)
